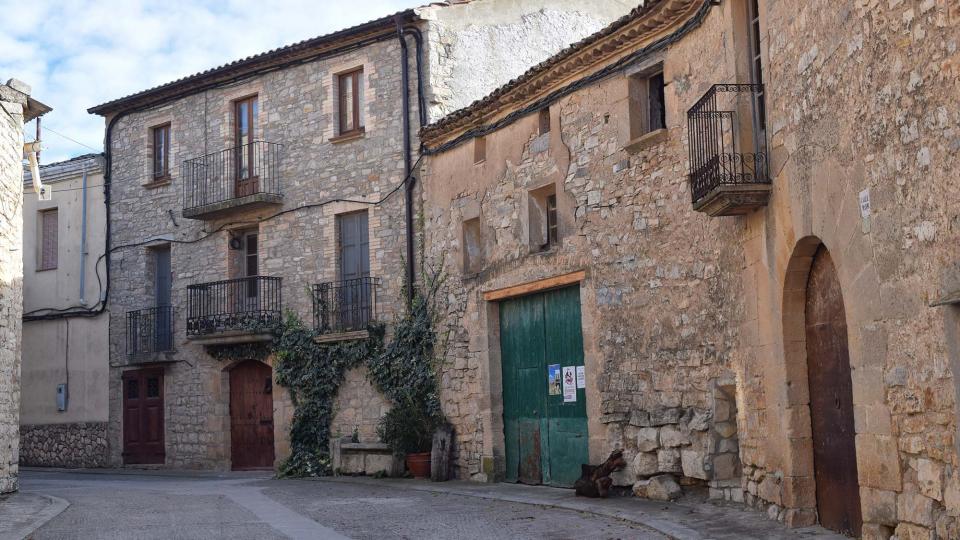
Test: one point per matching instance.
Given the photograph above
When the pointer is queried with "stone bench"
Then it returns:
(363, 458)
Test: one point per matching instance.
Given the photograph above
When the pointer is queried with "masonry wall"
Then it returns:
(297, 110)
(661, 300)
(11, 281)
(861, 99)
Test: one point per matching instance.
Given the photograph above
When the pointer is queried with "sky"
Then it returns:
(76, 54)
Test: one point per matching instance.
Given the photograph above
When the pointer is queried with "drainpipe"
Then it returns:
(410, 181)
(83, 239)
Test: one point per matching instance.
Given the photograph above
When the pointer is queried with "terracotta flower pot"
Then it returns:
(419, 464)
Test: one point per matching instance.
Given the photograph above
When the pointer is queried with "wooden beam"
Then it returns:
(535, 286)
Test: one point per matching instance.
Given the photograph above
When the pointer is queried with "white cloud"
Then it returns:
(76, 54)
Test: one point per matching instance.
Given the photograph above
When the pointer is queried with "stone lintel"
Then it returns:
(231, 338)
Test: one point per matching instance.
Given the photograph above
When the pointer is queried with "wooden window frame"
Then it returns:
(164, 173)
(356, 79)
(42, 263)
(479, 149)
(253, 111)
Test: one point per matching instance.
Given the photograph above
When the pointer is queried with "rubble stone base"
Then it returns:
(82, 444)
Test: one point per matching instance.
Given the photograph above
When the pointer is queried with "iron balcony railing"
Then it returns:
(726, 140)
(244, 304)
(150, 330)
(345, 306)
(230, 174)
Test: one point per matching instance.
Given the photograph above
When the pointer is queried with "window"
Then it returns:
(49, 244)
(479, 149)
(648, 112)
(245, 128)
(161, 152)
(544, 120)
(251, 262)
(472, 246)
(756, 67)
(544, 225)
(350, 89)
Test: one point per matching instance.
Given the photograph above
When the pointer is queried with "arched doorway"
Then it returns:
(251, 416)
(831, 399)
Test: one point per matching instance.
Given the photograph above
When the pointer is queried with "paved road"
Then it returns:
(238, 506)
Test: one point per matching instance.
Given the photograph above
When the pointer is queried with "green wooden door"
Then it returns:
(546, 438)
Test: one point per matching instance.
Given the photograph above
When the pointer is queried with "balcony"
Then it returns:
(344, 309)
(149, 332)
(728, 159)
(234, 310)
(245, 177)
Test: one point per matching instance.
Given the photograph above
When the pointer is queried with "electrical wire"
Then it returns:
(47, 128)
(83, 311)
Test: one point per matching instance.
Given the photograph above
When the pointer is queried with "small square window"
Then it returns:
(479, 149)
(472, 246)
(648, 111)
(153, 387)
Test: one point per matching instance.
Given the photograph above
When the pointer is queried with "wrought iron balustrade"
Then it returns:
(231, 174)
(345, 306)
(245, 304)
(150, 330)
(726, 140)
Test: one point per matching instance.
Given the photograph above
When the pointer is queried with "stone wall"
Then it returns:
(296, 109)
(64, 445)
(13, 101)
(861, 100)
(660, 299)
(358, 406)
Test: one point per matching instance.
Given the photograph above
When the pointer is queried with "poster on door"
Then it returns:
(569, 384)
(553, 379)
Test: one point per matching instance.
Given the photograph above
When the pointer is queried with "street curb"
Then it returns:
(54, 509)
(673, 530)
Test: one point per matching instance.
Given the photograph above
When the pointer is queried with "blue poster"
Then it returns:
(554, 380)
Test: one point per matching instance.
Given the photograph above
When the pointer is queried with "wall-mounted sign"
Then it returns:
(865, 203)
(553, 379)
(581, 377)
(569, 384)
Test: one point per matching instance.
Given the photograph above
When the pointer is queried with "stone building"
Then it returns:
(274, 183)
(17, 107)
(63, 407)
(741, 221)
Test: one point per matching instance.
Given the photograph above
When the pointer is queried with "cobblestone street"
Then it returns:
(127, 504)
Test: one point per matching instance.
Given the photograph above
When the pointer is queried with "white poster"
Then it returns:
(569, 384)
(581, 377)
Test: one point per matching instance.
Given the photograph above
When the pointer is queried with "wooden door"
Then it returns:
(545, 436)
(143, 416)
(251, 416)
(245, 123)
(355, 297)
(831, 400)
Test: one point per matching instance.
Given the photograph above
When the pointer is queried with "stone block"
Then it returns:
(639, 418)
(725, 429)
(664, 416)
(930, 478)
(648, 439)
(623, 477)
(909, 531)
(645, 464)
(800, 517)
(692, 464)
(671, 436)
(799, 491)
(878, 462)
(879, 506)
(725, 466)
(769, 489)
(663, 488)
(668, 460)
(873, 531)
(915, 508)
(640, 488)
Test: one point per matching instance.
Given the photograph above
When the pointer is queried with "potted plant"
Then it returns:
(408, 430)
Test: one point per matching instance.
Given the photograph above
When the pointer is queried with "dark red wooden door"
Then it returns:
(251, 415)
(143, 416)
(831, 400)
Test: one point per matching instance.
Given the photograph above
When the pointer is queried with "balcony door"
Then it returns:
(245, 122)
(355, 295)
(163, 284)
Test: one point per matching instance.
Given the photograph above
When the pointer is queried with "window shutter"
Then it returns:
(48, 245)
